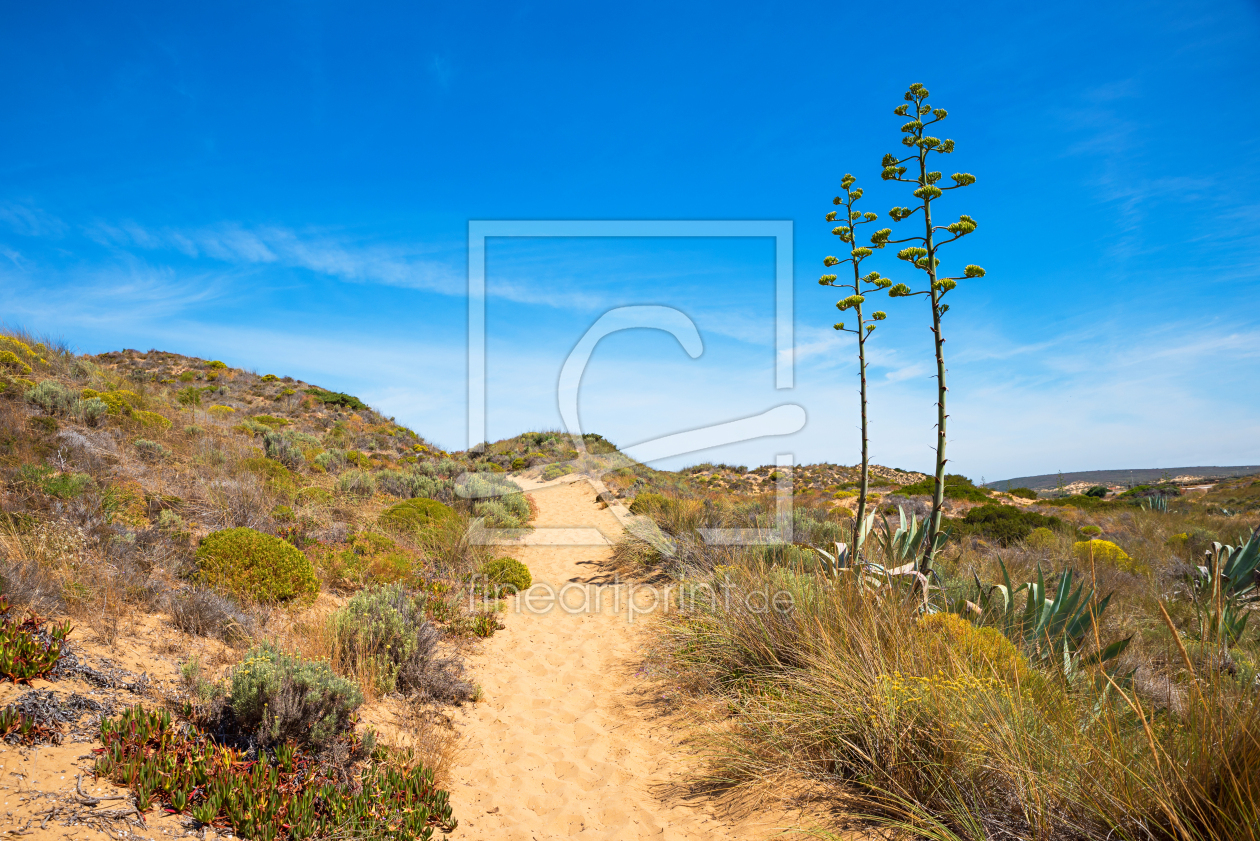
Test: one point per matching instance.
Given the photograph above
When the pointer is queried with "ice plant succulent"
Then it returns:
(922, 254)
(860, 286)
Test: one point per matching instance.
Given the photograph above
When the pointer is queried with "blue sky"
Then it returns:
(288, 187)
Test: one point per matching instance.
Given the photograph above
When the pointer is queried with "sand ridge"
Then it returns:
(563, 744)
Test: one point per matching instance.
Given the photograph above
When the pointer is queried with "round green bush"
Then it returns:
(416, 515)
(647, 503)
(1040, 538)
(255, 566)
(508, 572)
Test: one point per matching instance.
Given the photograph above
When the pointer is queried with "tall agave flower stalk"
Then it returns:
(860, 286)
(923, 256)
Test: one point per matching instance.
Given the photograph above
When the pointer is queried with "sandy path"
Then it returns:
(563, 744)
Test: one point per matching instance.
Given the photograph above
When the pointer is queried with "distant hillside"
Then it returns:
(1138, 476)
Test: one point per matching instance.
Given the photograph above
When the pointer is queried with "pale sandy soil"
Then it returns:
(569, 741)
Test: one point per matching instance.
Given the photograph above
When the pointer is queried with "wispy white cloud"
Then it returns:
(317, 251)
(30, 221)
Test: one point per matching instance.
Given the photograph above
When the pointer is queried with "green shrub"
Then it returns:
(255, 566)
(1040, 538)
(283, 449)
(119, 402)
(1023, 493)
(413, 483)
(276, 475)
(52, 397)
(498, 499)
(956, 487)
(270, 422)
(357, 483)
(151, 450)
(216, 365)
(1006, 524)
(555, 471)
(1090, 531)
(384, 637)
(333, 461)
(647, 503)
(415, 515)
(52, 482)
(497, 515)
(335, 398)
(1098, 492)
(283, 698)
(509, 574)
(519, 463)
(187, 377)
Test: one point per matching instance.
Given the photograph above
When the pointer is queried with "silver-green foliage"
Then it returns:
(497, 498)
(383, 632)
(55, 399)
(285, 698)
(283, 448)
(413, 484)
(357, 483)
(1226, 588)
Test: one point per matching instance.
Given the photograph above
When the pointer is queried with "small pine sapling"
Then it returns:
(923, 256)
(860, 285)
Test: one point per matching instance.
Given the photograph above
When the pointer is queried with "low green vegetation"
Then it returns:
(29, 647)
(1004, 524)
(956, 487)
(417, 515)
(384, 638)
(508, 576)
(291, 794)
(255, 567)
(282, 698)
(337, 399)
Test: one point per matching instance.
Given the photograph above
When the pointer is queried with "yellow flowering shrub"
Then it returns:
(221, 412)
(950, 638)
(17, 347)
(9, 360)
(1108, 553)
(151, 419)
(119, 401)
